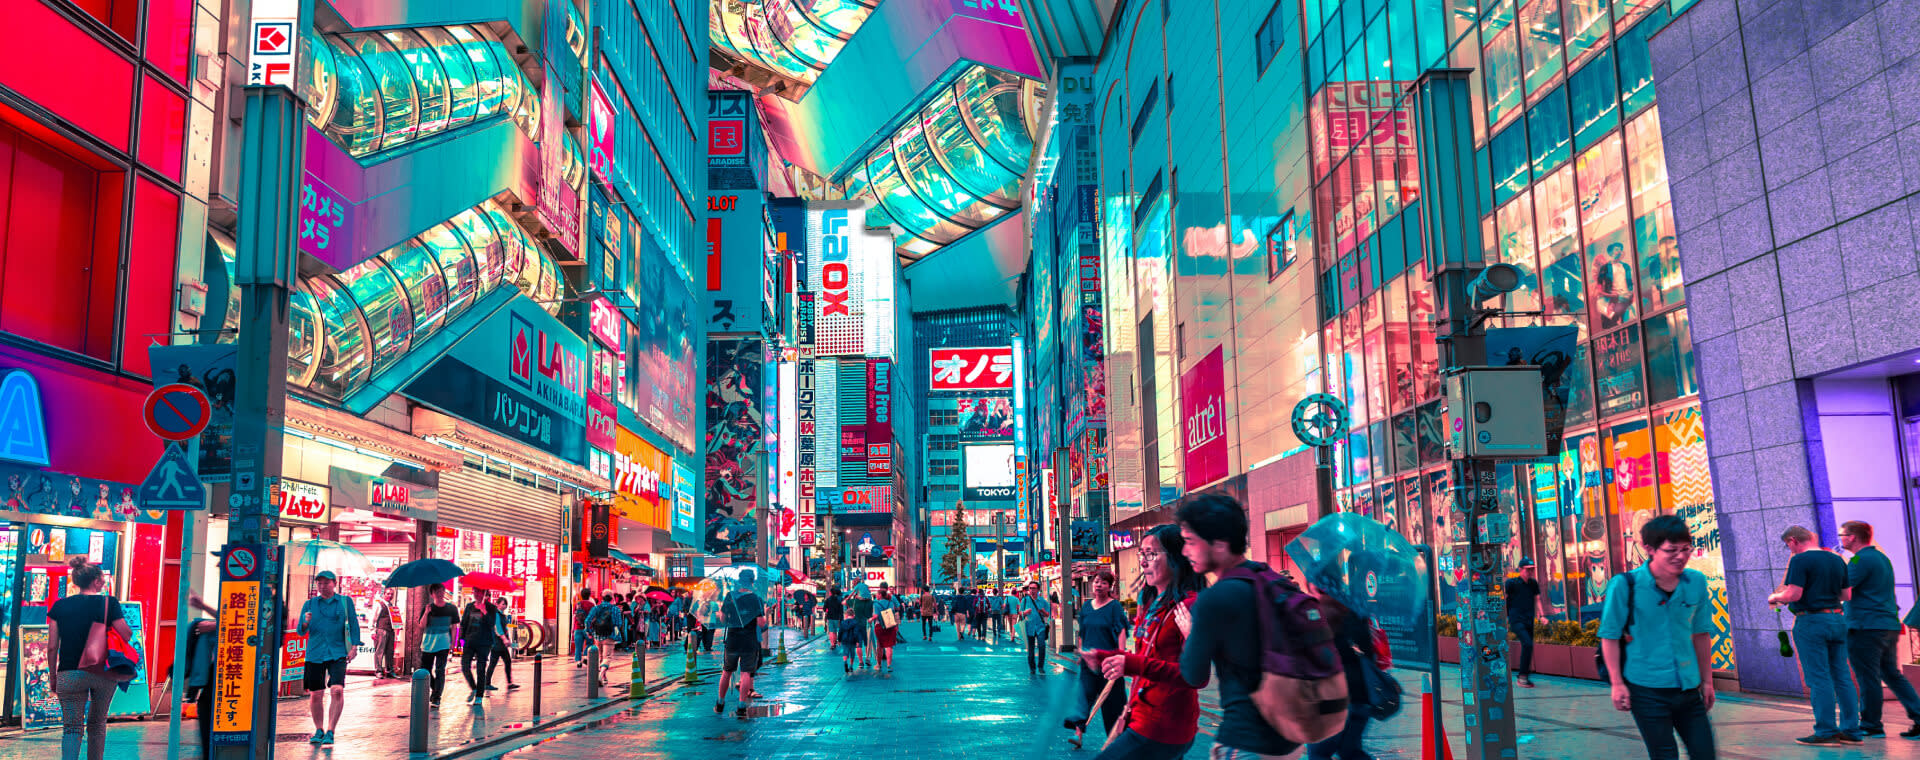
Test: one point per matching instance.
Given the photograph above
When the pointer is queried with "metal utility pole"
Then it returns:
(1490, 415)
(251, 607)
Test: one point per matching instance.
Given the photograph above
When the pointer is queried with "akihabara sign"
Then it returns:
(971, 369)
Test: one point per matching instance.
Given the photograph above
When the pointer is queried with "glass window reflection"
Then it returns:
(389, 316)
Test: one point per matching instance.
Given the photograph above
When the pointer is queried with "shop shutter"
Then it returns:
(478, 501)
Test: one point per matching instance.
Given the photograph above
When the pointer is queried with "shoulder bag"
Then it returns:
(1626, 636)
(106, 653)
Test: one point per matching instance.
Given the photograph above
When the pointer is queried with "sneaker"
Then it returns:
(1873, 733)
(1525, 682)
(512, 686)
(719, 707)
(318, 737)
(1820, 740)
(327, 740)
(433, 703)
(1847, 738)
(740, 713)
(1911, 733)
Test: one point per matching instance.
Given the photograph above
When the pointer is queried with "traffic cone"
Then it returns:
(1426, 731)
(782, 658)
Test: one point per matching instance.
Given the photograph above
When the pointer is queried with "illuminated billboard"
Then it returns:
(988, 471)
(848, 267)
(970, 369)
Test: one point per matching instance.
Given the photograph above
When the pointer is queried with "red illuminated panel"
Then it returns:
(170, 36)
(121, 15)
(163, 129)
(150, 265)
(92, 86)
(61, 225)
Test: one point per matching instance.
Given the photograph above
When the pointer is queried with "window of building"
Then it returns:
(1670, 364)
(1603, 218)
(1547, 132)
(1595, 96)
(60, 230)
(1543, 58)
(1147, 103)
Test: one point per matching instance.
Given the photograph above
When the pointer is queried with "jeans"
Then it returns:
(580, 639)
(203, 715)
(1091, 684)
(436, 665)
(926, 627)
(1224, 752)
(84, 698)
(1523, 629)
(383, 651)
(482, 653)
(1822, 641)
(1661, 713)
(1345, 744)
(502, 662)
(1131, 746)
(1036, 651)
(1876, 658)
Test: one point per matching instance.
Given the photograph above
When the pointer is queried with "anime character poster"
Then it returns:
(735, 435)
(982, 418)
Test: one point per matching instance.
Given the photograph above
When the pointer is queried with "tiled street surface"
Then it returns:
(974, 700)
(375, 724)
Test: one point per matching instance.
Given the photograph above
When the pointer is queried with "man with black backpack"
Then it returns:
(1263, 713)
(1655, 627)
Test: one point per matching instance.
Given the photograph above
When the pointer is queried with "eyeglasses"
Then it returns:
(1677, 551)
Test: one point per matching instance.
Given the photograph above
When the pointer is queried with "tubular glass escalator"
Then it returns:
(375, 91)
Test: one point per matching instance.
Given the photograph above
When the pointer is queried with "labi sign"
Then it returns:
(521, 374)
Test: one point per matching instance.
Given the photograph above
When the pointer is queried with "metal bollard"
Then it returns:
(693, 674)
(417, 718)
(593, 672)
(537, 657)
(637, 681)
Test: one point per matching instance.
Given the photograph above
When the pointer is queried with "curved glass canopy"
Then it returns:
(796, 39)
(955, 166)
(375, 91)
(346, 328)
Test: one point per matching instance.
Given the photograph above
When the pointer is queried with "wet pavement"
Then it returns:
(375, 724)
(974, 700)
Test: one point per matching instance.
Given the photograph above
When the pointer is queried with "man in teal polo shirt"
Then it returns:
(1873, 631)
(1659, 661)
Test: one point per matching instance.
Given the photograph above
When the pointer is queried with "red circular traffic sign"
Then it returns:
(177, 411)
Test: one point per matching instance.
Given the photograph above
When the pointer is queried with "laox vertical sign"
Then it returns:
(837, 278)
(1203, 417)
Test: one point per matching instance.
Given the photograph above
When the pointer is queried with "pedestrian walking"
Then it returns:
(1655, 627)
(1222, 639)
(1353, 637)
(1032, 611)
(743, 644)
(1163, 710)
(1524, 605)
(383, 665)
(581, 636)
(1873, 631)
(929, 610)
(604, 621)
(804, 607)
(478, 623)
(503, 642)
(84, 688)
(1815, 587)
(982, 607)
(847, 633)
(834, 608)
(202, 642)
(332, 629)
(886, 627)
(962, 613)
(862, 605)
(1103, 621)
(436, 641)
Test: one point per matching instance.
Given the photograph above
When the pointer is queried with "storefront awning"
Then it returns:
(616, 554)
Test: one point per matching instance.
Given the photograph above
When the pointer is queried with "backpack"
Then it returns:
(601, 623)
(1303, 685)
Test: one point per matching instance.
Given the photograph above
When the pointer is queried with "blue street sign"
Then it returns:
(172, 484)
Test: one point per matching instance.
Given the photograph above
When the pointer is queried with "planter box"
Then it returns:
(1582, 661)
(1449, 649)
(1553, 659)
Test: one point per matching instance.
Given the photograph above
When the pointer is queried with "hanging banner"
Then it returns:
(1203, 415)
(599, 528)
(971, 369)
(879, 418)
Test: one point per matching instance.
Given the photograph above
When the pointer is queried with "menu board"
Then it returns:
(39, 707)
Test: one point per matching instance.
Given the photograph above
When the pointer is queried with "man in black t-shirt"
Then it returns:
(1523, 604)
(743, 643)
(1816, 584)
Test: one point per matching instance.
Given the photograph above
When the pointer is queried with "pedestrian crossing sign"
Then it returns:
(172, 484)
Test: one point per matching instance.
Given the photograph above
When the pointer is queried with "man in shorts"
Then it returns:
(743, 644)
(332, 629)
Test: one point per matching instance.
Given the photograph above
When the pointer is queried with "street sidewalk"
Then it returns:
(376, 721)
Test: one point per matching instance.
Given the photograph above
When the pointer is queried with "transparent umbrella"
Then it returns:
(1373, 571)
(341, 558)
(731, 596)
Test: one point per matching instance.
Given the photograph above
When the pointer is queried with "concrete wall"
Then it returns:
(1792, 131)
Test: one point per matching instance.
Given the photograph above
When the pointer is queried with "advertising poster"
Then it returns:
(731, 121)
(1686, 483)
(39, 707)
(137, 698)
(641, 491)
(600, 130)
(293, 661)
(1616, 358)
(1413, 515)
(970, 369)
(1203, 418)
(1630, 457)
(661, 362)
(686, 509)
(837, 274)
(735, 440)
(988, 471)
(879, 418)
(521, 374)
(986, 418)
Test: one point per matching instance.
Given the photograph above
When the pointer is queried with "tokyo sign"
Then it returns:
(970, 369)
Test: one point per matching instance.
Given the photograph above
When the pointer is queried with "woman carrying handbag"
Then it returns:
(77, 645)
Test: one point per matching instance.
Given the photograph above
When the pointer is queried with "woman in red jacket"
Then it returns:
(1164, 712)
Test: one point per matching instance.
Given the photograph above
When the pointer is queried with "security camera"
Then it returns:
(1495, 280)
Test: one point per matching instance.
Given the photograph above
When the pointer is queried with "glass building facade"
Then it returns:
(795, 39)
(374, 91)
(1295, 247)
